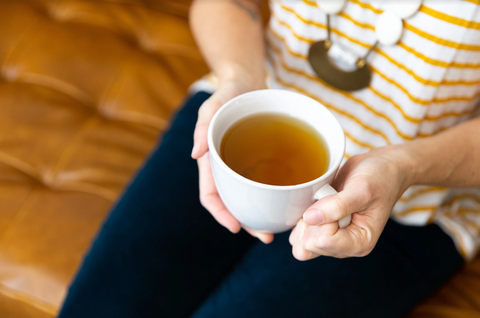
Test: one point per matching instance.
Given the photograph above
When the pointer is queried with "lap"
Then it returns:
(160, 254)
(407, 265)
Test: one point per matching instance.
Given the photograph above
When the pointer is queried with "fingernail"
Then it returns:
(313, 216)
(196, 147)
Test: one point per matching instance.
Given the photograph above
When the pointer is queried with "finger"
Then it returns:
(209, 196)
(311, 237)
(335, 207)
(296, 240)
(205, 115)
(297, 250)
(292, 236)
(266, 238)
(328, 238)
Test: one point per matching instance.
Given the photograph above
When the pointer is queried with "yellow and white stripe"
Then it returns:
(427, 83)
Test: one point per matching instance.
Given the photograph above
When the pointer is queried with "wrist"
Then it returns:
(404, 162)
(253, 77)
(409, 164)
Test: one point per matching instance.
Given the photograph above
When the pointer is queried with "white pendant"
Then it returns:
(389, 28)
(403, 9)
(343, 58)
(331, 6)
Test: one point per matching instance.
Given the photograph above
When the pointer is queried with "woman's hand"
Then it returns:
(369, 185)
(208, 192)
(226, 91)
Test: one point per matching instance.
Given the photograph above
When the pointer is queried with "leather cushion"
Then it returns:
(86, 88)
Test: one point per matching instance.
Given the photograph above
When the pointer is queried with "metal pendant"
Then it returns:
(330, 72)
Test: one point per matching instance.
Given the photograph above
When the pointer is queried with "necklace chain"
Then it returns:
(404, 10)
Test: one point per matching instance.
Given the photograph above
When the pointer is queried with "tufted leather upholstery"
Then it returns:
(86, 87)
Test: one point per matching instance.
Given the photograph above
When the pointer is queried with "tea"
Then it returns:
(275, 149)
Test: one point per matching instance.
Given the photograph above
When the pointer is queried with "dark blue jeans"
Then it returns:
(159, 254)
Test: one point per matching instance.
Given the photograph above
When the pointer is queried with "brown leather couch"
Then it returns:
(86, 88)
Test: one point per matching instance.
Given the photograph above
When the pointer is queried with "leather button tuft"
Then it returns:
(47, 180)
(58, 13)
(147, 43)
(105, 111)
(9, 73)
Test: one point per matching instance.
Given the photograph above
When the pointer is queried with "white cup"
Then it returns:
(270, 208)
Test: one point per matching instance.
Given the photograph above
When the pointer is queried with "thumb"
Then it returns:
(205, 115)
(335, 207)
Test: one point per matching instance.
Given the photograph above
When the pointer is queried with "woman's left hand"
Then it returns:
(369, 185)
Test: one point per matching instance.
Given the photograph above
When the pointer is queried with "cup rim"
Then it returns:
(214, 153)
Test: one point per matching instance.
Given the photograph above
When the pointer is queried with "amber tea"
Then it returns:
(275, 149)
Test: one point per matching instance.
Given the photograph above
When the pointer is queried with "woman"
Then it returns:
(409, 183)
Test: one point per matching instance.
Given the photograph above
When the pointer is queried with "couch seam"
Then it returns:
(32, 301)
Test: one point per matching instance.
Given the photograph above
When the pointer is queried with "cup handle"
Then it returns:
(327, 190)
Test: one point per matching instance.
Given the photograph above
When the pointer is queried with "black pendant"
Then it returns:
(328, 71)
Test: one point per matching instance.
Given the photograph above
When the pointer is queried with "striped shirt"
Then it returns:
(426, 83)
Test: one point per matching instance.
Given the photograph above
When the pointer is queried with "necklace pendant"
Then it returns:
(339, 68)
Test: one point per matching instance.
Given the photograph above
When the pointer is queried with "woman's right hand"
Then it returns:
(208, 192)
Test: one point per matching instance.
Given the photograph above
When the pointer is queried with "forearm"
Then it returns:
(229, 34)
(450, 158)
